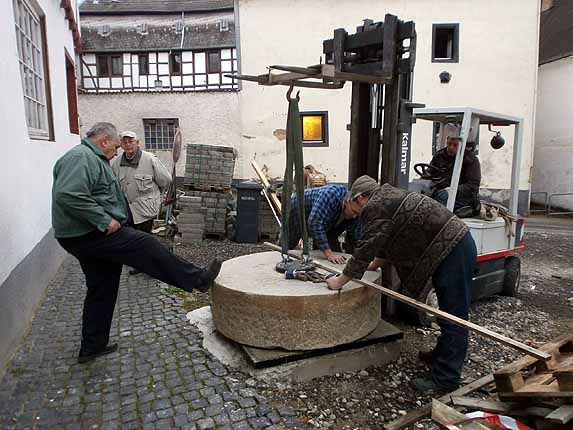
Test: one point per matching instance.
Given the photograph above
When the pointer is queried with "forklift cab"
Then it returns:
(498, 242)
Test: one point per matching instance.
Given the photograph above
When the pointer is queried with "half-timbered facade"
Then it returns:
(141, 60)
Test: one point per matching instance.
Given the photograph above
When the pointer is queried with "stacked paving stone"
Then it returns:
(191, 219)
(209, 166)
(268, 226)
(216, 209)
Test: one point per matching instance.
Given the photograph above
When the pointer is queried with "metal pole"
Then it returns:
(459, 160)
(516, 168)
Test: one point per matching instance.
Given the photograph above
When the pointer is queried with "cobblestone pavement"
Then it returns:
(160, 378)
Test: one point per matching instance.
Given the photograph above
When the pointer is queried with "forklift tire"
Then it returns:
(512, 276)
(429, 297)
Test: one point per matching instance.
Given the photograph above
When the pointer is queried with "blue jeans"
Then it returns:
(441, 195)
(453, 281)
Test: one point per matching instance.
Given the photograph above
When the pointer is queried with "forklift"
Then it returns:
(378, 60)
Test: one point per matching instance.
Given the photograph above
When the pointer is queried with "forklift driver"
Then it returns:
(467, 199)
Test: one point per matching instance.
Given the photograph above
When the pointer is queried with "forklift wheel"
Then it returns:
(512, 276)
(429, 297)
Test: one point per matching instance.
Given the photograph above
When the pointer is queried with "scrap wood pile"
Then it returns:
(529, 393)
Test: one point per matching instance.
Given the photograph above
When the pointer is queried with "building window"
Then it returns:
(72, 95)
(32, 56)
(109, 65)
(159, 133)
(445, 43)
(214, 62)
(314, 128)
(102, 65)
(143, 61)
(175, 63)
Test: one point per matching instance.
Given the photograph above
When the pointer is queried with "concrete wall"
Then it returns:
(209, 118)
(497, 71)
(28, 254)
(553, 164)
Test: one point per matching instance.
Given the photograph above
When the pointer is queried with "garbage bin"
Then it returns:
(247, 222)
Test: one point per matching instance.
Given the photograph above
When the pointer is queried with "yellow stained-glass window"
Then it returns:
(312, 128)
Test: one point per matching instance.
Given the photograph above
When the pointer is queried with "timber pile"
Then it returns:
(537, 392)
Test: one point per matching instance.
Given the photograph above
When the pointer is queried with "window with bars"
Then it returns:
(32, 56)
(160, 132)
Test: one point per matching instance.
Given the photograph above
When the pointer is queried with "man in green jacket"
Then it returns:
(91, 221)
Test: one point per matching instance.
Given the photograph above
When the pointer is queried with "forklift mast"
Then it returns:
(381, 110)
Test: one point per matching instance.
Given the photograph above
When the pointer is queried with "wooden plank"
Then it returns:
(437, 312)
(483, 405)
(561, 415)
(565, 378)
(524, 362)
(424, 411)
(446, 416)
(274, 199)
(513, 409)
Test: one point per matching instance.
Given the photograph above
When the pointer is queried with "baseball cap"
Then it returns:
(363, 184)
(128, 134)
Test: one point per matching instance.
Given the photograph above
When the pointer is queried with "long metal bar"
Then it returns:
(466, 122)
(516, 168)
(541, 355)
(310, 71)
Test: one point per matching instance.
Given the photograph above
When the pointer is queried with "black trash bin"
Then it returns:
(247, 222)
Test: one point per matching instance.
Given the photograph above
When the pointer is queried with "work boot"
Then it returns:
(211, 272)
(428, 386)
(85, 357)
(426, 357)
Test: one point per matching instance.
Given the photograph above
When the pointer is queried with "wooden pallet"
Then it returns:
(529, 378)
(206, 187)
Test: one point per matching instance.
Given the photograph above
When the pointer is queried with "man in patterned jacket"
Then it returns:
(422, 239)
(330, 211)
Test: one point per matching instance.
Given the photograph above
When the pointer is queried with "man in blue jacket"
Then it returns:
(90, 219)
(330, 211)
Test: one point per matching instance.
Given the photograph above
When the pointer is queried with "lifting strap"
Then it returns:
(294, 173)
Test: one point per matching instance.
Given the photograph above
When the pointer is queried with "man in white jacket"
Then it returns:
(143, 179)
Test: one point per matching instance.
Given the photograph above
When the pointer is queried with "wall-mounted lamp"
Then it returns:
(445, 77)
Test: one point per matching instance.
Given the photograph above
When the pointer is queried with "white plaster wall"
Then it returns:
(553, 164)
(497, 71)
(208, 118)
(26, 172)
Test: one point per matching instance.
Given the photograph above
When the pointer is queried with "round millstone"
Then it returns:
(254, 305)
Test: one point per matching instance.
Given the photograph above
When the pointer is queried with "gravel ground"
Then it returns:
(368, 399)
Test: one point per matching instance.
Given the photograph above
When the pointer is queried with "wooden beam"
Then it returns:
(541, 355)
(483, 405)
(274, 199)
(561, 415)
(424, 411)
(446, 416)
